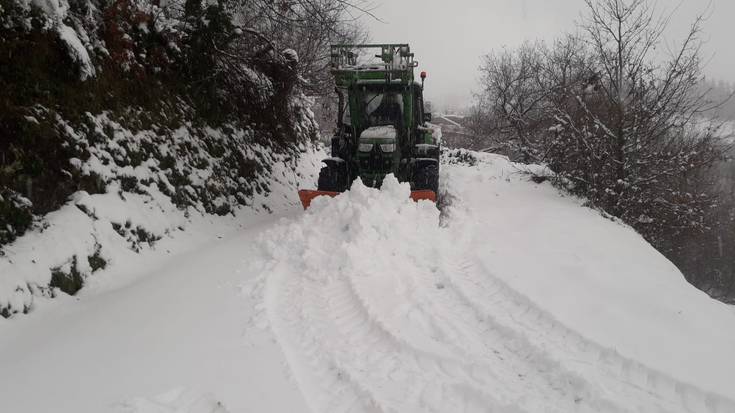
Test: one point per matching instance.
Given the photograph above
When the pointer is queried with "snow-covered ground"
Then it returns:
(513, 298)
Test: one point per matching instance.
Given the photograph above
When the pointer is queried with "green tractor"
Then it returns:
(381, 124)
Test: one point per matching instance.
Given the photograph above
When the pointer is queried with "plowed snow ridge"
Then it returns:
(378, 307)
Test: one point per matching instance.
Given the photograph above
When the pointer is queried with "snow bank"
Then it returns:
(593, 275)
(110, 227)
(144, 186)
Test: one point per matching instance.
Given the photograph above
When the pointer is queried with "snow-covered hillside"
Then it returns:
(145, 186)
(513, 298)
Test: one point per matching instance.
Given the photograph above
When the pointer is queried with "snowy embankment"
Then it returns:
(142, 187)
(515, 298)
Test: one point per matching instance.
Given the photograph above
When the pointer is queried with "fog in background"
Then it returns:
(450, 37)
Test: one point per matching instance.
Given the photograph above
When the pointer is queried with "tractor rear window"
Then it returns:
(383, 108)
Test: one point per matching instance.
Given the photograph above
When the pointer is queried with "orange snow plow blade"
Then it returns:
(307, 195)
(424, 194)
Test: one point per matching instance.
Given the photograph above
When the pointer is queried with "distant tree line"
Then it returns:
(623, 125)
(721, 92)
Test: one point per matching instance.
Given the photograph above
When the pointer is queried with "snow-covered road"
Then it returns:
(513, 299)
(180, 329)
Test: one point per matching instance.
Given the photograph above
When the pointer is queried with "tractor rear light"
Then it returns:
(423, 75)
(365, 147)
(388, 147)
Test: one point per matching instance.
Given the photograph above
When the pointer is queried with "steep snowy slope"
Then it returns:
(596, 277)
(514, 298)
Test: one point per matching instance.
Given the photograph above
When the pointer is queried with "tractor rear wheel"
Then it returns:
(333, 177)
(426, 176)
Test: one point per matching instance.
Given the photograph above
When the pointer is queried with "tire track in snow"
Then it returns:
(343, 337)
(489, 347)
(339, 329)
(612, 372)
(316, 374)
(498, 357)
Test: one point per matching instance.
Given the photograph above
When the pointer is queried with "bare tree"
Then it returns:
(635, 142)
(308, 27)
(285, 40)
(514, 93)
(521, 90)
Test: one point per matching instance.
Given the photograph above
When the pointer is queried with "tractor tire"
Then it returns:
(338, 147)
(426, 176)
(341, 147)
(333, 177)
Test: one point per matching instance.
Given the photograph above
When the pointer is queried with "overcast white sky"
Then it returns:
(450, 36)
